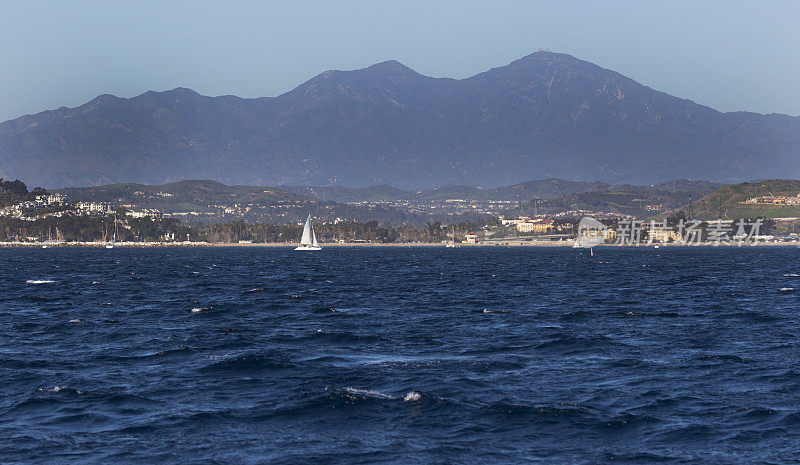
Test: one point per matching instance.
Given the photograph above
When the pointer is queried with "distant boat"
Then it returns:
(111, 245)
(49, 239)
(309, 239)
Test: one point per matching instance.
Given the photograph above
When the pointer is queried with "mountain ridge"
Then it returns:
(543, 115)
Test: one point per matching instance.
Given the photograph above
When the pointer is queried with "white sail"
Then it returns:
(309, 239)
(307, 233)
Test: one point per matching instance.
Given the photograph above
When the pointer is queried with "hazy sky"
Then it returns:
(728, 54)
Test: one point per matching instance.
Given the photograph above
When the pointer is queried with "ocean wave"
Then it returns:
(543, 411)
(723, 358)
(343, 336)
(354, 395)
(791, 419)
(249, 363)
(573, 344)
(61, 389)
(367, 393)
(486, 310)
(578, 315)
(164, 353)
(751, 316)
(638, 457)
(325, 310)
(40, 281)
(573, 414)
(757, 413)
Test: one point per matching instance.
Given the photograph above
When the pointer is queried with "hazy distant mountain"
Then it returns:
(542, 189)
(202, 201)
(543, 116)
(730, 202)
(529, 190)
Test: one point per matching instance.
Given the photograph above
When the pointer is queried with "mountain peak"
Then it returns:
(184, 91)
(544, 56)
(181, 92)
(391, 66)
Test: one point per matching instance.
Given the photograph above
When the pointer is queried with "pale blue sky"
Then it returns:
(728, 54)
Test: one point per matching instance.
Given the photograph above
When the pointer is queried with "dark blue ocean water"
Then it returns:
(400, 355)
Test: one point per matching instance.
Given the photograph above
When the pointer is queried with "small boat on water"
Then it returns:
(309, 239)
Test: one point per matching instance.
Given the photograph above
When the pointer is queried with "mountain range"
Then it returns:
(543, 116)
(211, 201)
(541, 189)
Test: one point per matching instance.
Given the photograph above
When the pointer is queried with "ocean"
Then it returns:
(400, 355)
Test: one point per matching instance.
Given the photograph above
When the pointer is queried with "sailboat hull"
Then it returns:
(308, 247)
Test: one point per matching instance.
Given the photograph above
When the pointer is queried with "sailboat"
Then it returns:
(309, 239)
(49, 239)
(111, 245)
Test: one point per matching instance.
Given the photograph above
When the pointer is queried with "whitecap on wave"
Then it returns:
(786, 289)
(57, 389)
(40, 281)
(412, 396)
(367, 392)
(201, 309)
(486, 310)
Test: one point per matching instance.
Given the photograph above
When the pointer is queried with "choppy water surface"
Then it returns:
(400, 355)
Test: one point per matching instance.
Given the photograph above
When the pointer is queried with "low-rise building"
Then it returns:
(535, 226)
(663, 235)
(50, 200)
(514, 222)
(775, 200)
(147, 212)
(94, 207)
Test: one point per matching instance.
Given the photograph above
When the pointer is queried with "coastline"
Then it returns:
(508, 243)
